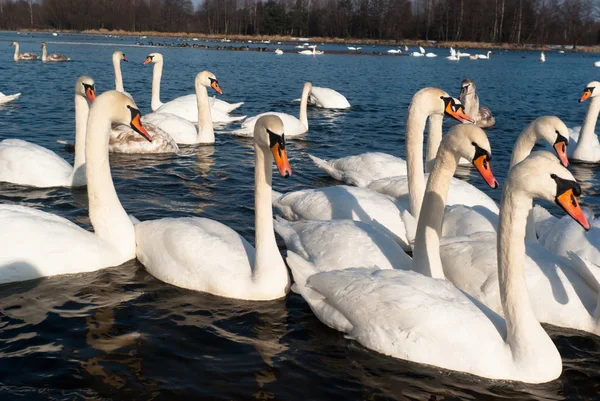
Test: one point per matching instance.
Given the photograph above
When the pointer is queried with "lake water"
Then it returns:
(120, 334)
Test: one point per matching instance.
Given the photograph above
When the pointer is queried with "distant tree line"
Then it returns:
(573, 22)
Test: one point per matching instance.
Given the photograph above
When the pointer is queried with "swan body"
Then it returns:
(343, 202)
(542, 58)
(293, 126)
(124, 139)
(25, 163)
(584, 145)
(430, 55)
(278, 52)
(39, 244)
(482, 115)
(54, 57)
(327, 98)
(186, 106)
(417, 54)
(596, 63)
(205, 255)
(394, 51)
(23, 56)
(427, 320)
(484, 56)
(8, 98)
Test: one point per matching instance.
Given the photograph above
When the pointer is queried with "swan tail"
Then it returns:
(324, 165)
(234, 106)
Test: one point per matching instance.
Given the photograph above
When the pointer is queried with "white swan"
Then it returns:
(54, 57)
(430, 55)
(186, 105)
(23, 56)
(8, 98)
(542, 57)
(312, 52)
(293, 126)
(25, 163)
(38, 244)
(596, 63)
(484, 56)
(410, 316)
(278, 52)
(394, 51)
(205, 255)
(584, 145)
(427, 103)
(563, 293)
(327, 98)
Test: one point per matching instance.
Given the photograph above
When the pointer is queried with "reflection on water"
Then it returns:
(121, 334)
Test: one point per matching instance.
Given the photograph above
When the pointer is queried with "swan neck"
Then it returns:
(523, 329)
(109, 219)
(82, 110)
(471, 102)
(270, 273)
(434, 138)
(589, 123)
(118, 76)
(44, 53)
(206, 133)
(525, 143)
(303, 104)
(426, 258)
(156, 77)
(415, 126)
(16, 56)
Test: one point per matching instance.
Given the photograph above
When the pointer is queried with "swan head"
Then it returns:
(467, 87)
(542, 176)
(120, 109)
(555, 132)
(471, 142)
(435, 101)
(269, 136)
(209, 80)
(13, 44)
(118, 56)
(153, 58)
(86, 87)
(455, 109)
(591, 90)
(43, 45)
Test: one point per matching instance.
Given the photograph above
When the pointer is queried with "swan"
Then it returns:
(293, 126)
(584, 146)
(484, 56)
(372, 166)
(351, 47)
(23, 56)
(278, 52)
(327, 98)
(308, 52)
(394, 51)
(205, 255)
(430, 55)
(482, 115)
(542, 57)
(39, 244)
(117, 57)
(25, 163)
(8, 98)
(417, 54)
(596, 63)
(563, 293)
(185, 105)
(52, 57)
(339, 244)
(426, 320)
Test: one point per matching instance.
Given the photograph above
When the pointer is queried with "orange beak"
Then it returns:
(125, 59)
(281, 160)
(483, 166)
(91, 94)
(587, 92)
(561, 152)
(148, 60)
(458, 114)
(136, 124)
(570, 204)
(215, 85)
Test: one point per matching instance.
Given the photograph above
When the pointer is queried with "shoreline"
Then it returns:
(257, 39)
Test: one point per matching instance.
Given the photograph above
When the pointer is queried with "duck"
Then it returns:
(584, 146)
(186, 106)
(39, 244)
(25, 163)
(293, 125)
(340, 244)
(4, 99)
(54, 57)
(427, 320)
(563, 293)
(205, 255)
(23, 56)
(482, 115)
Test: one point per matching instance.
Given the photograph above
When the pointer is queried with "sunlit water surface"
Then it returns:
(121, 334)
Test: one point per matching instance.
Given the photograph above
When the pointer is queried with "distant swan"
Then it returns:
(23, 56)
(52, 57)
(8, 98)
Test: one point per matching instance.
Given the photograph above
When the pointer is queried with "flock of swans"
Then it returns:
(480, 279)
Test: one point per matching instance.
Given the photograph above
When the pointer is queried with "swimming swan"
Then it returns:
(23, 56)
(54, 57)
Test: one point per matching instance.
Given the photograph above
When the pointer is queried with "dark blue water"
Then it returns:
(120, 334)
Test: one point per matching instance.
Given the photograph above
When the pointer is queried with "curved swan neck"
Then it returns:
(415, 126)
(44, 54)
(16, 56)
(426, 258)
(82, 110)
(524, 144)
(434, 138)
(270, 273)
(118, 76)
(303, 104)
(523, 330)
(156, 77)
(206, 132)
(589, 123)
(109, 219)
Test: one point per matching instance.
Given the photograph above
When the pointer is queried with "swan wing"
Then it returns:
(179, 129)
(329, 98)
(291, 125)
(124, 139)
